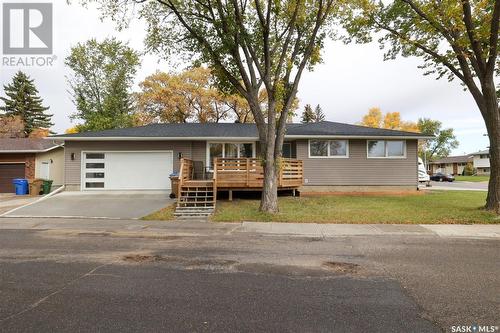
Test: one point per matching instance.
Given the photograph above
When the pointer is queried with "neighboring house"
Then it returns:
(332, 156)
(454, 165)
(30, 158)
(482, 162)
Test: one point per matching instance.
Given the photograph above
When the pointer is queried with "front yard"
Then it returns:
(472, 178)
(436, 207)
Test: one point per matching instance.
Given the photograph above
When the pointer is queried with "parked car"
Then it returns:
(441, 177)
(422, 173)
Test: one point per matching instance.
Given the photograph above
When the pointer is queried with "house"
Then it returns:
(454, 165)
(324, 156)
(482, 162)
(30, 158)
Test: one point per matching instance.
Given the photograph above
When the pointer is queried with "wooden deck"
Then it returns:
(248, 173)
(197, 197)
(242, 173)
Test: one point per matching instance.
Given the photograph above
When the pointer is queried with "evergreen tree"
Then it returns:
(308, 115)
(22, 100)
(318, 114)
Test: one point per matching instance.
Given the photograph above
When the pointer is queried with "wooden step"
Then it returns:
(198, 183)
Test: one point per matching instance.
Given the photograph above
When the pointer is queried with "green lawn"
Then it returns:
(433, 207)
(472, 178)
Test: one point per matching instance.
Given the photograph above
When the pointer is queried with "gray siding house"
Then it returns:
(334, 156)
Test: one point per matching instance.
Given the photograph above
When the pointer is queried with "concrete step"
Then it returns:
(192, 215)
(194, 208)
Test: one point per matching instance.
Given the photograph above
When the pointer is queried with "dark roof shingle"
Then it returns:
(25, 144)
(453, 159)
(236, 130)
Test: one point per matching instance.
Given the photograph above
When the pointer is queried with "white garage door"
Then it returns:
(126, 170)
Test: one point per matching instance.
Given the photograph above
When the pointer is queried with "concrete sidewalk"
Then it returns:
(341, 230)
(201, 228)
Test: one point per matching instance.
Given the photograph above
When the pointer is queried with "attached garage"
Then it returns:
(8, 172)
(126, 170)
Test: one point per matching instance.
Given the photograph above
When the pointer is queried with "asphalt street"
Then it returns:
(459, 186)
(58, 281)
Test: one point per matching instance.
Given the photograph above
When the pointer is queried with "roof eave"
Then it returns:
(144, 138)
(221, 138)
(406, 137)
(30, 150)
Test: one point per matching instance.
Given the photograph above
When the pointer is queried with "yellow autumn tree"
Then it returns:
(391, 120)
(373, 118)
(72, 130)
(39, 133)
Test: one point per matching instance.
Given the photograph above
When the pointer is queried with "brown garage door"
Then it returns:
(7, 173)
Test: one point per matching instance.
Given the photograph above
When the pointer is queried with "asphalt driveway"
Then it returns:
(119, 205)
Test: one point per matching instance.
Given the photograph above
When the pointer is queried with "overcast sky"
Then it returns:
(352, 79)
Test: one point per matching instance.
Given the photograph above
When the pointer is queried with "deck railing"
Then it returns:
(185, 170)
(249, 173)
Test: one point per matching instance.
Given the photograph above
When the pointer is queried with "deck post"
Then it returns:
(248, 171)
(230, 195)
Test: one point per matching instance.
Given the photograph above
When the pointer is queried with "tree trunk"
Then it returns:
(269, 200)
(493, 126)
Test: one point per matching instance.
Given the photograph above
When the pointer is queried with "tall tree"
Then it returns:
(373, 118)
(443, 143)
(102, 76)
(318, 114)
(188, 96)
(11, 127)
(391, 120)
(22, 100)
(455, 39)
(308, 115)
(251, 45)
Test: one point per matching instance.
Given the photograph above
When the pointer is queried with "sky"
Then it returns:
(351, 79)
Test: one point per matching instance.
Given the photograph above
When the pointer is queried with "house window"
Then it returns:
(229, 150)
(386, 149)
(94, 165)
(95, 156)
(328, 148)
(484, 156)
(287, 150)
(94, 185)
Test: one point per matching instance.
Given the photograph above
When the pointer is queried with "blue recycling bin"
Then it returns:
(21, 186)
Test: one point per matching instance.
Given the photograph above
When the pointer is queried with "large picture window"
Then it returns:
(328, 148)
(229, 150)
(386, 149)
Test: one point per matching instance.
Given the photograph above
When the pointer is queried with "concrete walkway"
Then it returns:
(340, 230)
(203, 228)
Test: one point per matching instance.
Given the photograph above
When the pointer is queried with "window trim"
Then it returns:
(328, 148)
(385, 150)
(207, 150)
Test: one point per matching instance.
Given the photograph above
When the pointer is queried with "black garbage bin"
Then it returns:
(174, 181)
